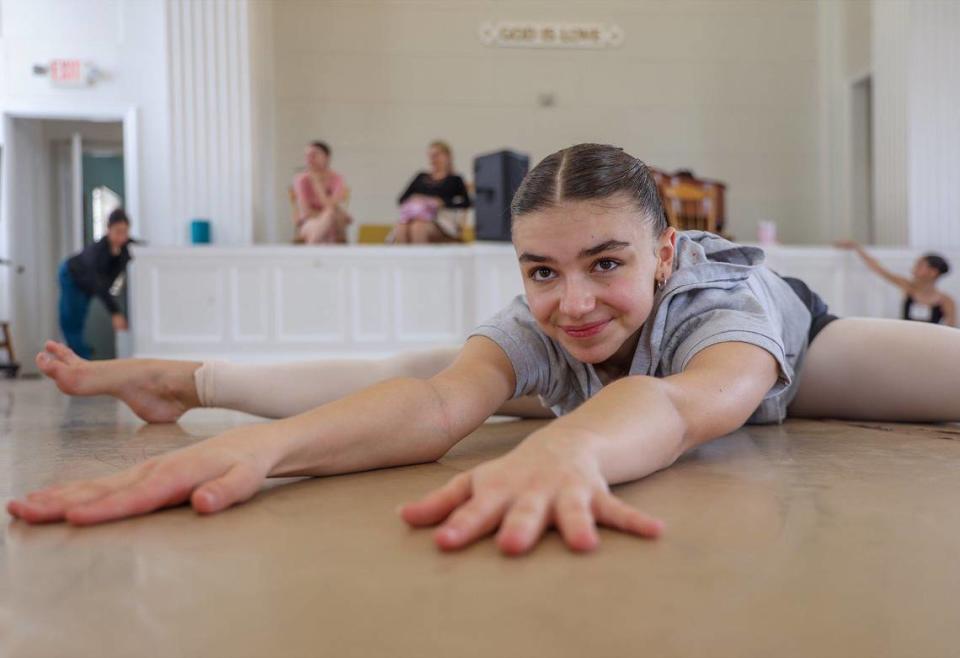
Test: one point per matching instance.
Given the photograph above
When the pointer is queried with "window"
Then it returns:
(105, 201)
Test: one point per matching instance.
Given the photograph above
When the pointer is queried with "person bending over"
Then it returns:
(643, 342)
(89, 274)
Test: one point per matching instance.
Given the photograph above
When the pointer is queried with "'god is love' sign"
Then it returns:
(507, 34)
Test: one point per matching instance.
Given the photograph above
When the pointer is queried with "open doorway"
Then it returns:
(861, 160)
(62, 177)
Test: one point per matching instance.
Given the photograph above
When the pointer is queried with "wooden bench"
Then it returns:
(377, 233)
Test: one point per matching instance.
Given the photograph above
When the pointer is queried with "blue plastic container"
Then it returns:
(200, 231)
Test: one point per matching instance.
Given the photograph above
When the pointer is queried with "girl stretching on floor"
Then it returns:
(645, 342)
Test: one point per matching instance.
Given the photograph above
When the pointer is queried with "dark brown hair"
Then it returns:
(937, 262)
(323, 146)
(118, 216)
(590, 171)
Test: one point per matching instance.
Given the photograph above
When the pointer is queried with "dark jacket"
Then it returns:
(95, 269)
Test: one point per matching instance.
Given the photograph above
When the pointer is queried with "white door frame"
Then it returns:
(128, 116)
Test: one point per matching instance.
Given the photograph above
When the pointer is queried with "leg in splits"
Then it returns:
(161, 391)
(873, 369)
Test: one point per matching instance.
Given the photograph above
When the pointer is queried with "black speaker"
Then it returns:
(496, 176)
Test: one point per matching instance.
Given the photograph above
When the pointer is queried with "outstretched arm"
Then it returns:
(401, 421)
(901, 282)
(397, 422)
(632, 428)
(716, 394)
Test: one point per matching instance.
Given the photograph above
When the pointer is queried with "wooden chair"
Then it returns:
(689, 207)
(455, 224)
(691, 203)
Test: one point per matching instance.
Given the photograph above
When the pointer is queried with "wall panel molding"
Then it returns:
(210, 107)
(372, 304)
(372, 301)
(188, 303)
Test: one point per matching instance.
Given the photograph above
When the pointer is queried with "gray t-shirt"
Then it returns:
(719, 292)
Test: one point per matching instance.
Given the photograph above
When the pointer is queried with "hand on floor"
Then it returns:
(522, 494)
(212, 475)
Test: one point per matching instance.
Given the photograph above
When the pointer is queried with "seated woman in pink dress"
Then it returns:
(427, 194)
(319, 192)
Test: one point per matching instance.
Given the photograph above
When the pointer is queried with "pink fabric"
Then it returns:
(303, 185)
(419, 208)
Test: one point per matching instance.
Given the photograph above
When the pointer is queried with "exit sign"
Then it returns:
(70, 73)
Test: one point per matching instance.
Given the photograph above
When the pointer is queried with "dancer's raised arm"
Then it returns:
(901, 282)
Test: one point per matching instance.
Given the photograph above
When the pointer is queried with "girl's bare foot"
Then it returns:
(157, 391)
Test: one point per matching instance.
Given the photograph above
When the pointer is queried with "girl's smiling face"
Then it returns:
(590, 269)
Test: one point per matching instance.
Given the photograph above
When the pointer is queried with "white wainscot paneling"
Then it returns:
(498, 281)
(429, 301)
(278, 303)
(251, 304)
(371, 300)
(819, 268)
(187, 303)
(311, 302)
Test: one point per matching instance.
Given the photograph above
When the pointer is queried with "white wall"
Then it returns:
(845, 57)
(265, 210)
(857, 51)
(746, 91)
(917, 134)
(727, 88)
(933, 131)
(891, 48)
(210, 116)
(125, 39)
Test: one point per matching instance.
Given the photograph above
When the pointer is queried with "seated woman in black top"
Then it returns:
(922, 301)
(427, 195)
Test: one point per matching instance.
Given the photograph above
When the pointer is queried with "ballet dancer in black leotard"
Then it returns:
(922, 301)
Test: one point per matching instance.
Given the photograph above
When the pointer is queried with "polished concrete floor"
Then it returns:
(810, 539)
